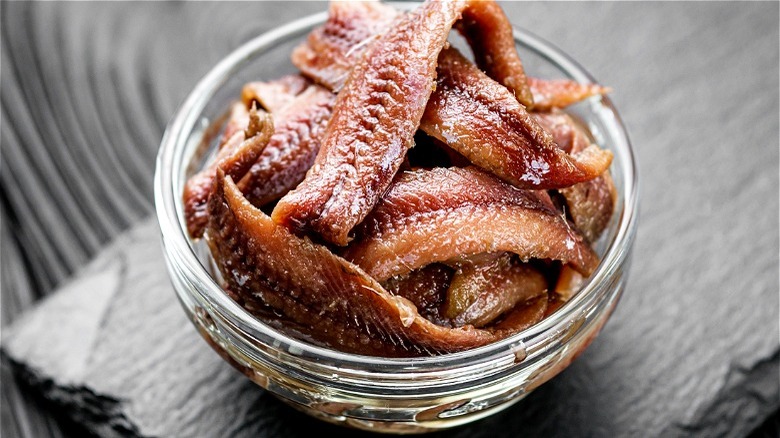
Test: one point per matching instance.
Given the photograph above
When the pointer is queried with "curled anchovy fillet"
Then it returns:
(373, 124)
(276, 95)
(560, 93)
(483, 121)
(332, 49)
(235, 157)
(327, 297)
(486, 286)
(300, 118)
(298, 130)
(591, 203)
(224, 127)
(489, 33)
(238, 119)
(430, 216)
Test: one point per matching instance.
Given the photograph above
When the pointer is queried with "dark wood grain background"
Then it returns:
(88, 87)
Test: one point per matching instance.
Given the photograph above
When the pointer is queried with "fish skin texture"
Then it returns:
(430, 216)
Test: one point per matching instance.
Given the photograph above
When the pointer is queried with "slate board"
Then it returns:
(692, 348)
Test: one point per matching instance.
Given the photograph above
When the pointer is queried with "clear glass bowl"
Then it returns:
(380, 394)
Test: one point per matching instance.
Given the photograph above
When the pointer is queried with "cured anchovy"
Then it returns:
(373, 125)
(332, 49)
(568, 284)
(426, 288)
(235, 157)
(490, 35)
(298, 125)
(483, 121)
(554, 302)
(488, 285)
(563, 129)
(276, 95)
(291, 151)
(238, 119)
(560, 93)
(225, 127)
(329, 298)
(526, 315)
(430, 216)
(590, 203)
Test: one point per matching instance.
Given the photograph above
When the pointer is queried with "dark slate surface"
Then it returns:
(88, 87)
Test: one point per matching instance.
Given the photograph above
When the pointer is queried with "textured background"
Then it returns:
(87, 89)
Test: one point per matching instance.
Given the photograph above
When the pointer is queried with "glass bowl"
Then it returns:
(380, 394)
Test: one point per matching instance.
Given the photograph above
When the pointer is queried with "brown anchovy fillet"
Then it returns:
(527, 314)
(553, 304)
(332, 49)
(489, 33)
(560, 93)
(292, 149)
(373, 125)
(274, 95)
(590, 203)
(564, 130)
(426, 288)
(430, 216)
(235, 119)
(489, 285)
(568, 284)
(235, 157)
(237, 122)
(334, 301)
(483, 121)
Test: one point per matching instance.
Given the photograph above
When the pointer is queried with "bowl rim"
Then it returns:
(177, 246)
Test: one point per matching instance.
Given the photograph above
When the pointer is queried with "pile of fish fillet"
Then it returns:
(395, 198)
